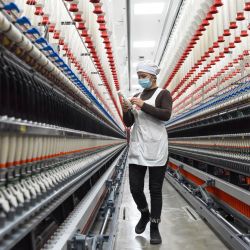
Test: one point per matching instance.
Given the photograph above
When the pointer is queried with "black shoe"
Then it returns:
(155, 237)
(141, 225)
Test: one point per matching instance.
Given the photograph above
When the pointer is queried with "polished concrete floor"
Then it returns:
(179, 228)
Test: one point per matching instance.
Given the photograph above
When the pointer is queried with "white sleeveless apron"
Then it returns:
(148, 139)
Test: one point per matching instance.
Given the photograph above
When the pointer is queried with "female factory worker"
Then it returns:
(148, 146)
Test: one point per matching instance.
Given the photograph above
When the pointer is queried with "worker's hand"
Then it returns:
(137, 101)
(125, 107)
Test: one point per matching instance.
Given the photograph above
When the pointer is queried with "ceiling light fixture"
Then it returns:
(143, 44)
(148, 8)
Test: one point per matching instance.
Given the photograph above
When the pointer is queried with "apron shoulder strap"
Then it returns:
(156, 93)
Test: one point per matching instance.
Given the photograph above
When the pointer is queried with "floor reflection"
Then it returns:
(178, 231)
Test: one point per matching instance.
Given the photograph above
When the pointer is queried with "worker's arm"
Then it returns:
(163, 112)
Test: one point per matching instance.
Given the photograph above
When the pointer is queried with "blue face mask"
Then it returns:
(145, 83)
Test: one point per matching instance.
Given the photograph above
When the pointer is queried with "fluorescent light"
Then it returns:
(134, 64)
(148, 8)
(143, 44)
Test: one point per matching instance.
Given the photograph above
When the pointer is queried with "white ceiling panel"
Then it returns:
(150, 25)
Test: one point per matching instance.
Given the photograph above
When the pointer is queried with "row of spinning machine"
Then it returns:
(209, 134)
(58, 143)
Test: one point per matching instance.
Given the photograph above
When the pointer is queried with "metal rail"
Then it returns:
(234, 239)
(237, 192)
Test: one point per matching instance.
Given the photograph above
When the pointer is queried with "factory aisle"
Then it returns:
(179, 229)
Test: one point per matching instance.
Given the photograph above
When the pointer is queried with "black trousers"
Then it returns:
(136, 180)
